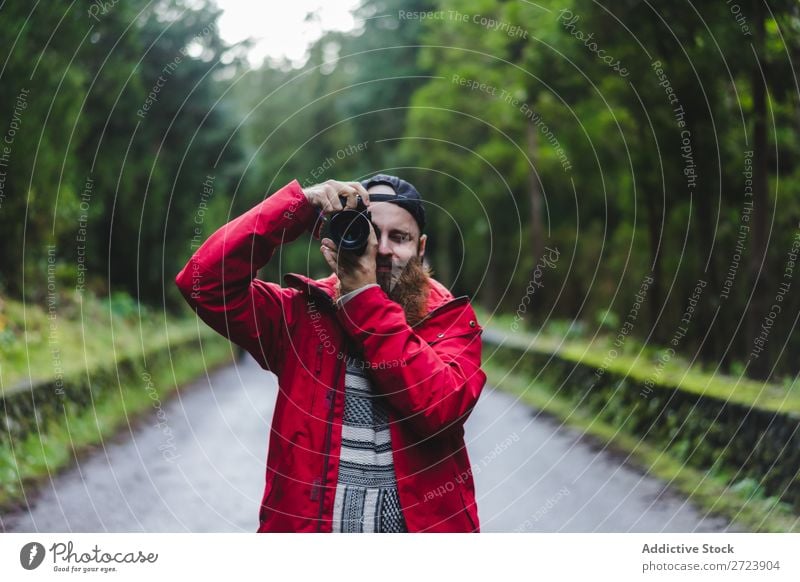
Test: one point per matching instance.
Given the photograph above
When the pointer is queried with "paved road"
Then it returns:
(202, 470)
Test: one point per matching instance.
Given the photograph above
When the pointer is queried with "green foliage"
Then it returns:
(62, 432)
(565, 329)
(518, 141)
(734, 435)
(120, 304)
(87, 115)
(607, 320)
(707, 488)
(86, 332)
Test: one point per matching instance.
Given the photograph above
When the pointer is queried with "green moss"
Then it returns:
(86, 333)
(675, 373)
(707, 489)
(26, 460)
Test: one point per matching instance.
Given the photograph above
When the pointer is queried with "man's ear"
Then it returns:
(421, 246)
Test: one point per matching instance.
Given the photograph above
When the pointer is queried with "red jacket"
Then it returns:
(430, 375)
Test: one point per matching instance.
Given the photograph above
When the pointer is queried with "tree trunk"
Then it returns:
(535, 193)
(654, 230)
(757, 272)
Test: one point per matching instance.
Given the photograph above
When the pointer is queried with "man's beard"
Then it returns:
(410, 289)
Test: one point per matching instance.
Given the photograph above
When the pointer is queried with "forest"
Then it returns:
(628, 169)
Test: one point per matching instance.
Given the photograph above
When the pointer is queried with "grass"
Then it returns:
(741, 503)
(104, 331)
(641, 363)
(86, 332)
(28, 461)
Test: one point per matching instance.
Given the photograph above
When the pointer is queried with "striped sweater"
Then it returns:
(366, 490)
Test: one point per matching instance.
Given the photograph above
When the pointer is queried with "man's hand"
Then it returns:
(354, 271)
(325, 196)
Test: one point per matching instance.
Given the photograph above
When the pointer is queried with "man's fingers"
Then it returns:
(361, 190)
(352, 196)
(339, 262)
(351, 190)
(334, 204)
(327, 254)
(330, 253)
(346, 260)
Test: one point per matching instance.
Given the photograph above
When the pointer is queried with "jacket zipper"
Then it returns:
(328, 432)
(319, 360)
(317, 370)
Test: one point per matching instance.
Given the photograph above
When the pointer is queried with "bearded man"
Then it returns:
(378, 364)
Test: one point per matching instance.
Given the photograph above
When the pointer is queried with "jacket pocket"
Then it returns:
(441, 336)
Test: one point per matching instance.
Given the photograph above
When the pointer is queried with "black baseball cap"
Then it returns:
(405, 196)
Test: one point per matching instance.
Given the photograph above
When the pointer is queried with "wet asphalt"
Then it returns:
(196, 464)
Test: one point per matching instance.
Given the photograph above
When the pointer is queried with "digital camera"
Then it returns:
(349, 228)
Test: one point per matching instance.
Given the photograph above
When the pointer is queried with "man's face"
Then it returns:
(399, 239)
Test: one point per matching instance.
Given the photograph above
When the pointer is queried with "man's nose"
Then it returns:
(383, 246)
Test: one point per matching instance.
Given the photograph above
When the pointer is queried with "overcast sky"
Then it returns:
(280, 29)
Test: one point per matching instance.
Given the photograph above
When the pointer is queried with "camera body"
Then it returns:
(349, 228)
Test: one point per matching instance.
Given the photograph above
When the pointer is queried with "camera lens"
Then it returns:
(349, 228)
(355, 232)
